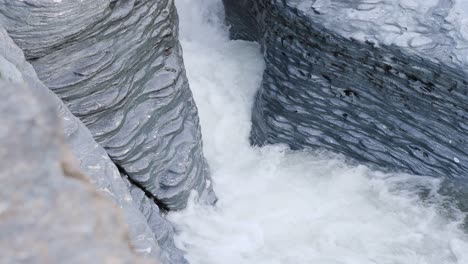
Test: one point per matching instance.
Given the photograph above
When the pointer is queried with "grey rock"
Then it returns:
(49, 212)
(117, 64)
(393, 105)
(163, 228)
(92, 158)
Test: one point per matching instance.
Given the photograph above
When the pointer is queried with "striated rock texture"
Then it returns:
(163, 229)
(93, 160)
(117, 65)
(49, 212)
(384, 82)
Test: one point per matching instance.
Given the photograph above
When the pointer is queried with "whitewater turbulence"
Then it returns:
(277, 206)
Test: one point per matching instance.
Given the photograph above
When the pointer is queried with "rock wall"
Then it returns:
(392, 105)
(155, 241)
(49, 212)
(117, 65)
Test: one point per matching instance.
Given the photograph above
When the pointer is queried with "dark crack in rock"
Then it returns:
(93, 160)
(117, 64)
(49, 212)
(165, 231)
(335, 80)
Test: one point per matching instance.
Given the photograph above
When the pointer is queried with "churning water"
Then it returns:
(277, 206)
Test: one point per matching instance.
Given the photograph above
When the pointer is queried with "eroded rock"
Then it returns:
(49, 212)
(91, 159)
(117, 65)
(336, 79)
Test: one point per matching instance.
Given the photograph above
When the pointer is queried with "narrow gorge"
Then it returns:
(234, 131)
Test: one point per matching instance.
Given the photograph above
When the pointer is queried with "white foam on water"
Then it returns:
(277, 206)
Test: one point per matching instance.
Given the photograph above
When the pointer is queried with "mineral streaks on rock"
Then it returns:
(48, 212)
(118, 67)
(92, 158)
(398, 107)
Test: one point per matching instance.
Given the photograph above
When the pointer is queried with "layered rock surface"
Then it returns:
(49, 212)
(384, 82)
(117, 65)
(146, 237)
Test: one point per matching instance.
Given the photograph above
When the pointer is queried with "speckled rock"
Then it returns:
(384, 82)
(49, 212)
(92, 160)
(118, 67)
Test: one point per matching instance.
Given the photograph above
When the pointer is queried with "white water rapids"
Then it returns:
(281, 207)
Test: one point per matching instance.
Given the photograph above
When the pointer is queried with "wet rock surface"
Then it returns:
(163, 229)
(146, 238)
(91, 158)
(376, 100)
(118, 66)
(49, 211)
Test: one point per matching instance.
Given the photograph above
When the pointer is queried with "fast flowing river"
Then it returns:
(277, 206)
